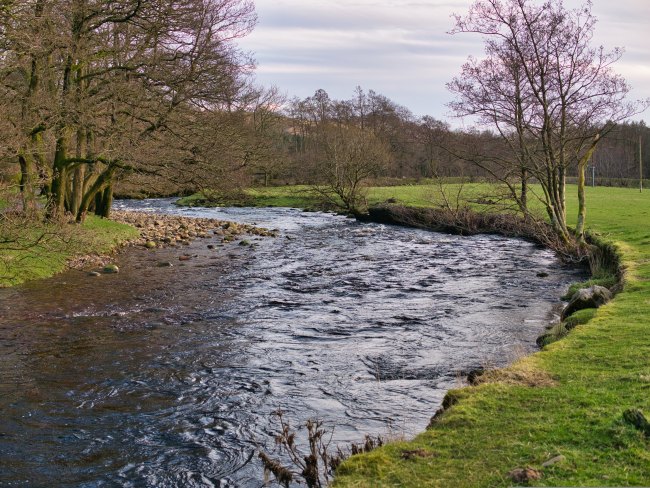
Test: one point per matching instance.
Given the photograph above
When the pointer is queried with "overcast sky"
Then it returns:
(401, 48)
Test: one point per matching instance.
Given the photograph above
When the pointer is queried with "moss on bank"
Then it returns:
(38, 250)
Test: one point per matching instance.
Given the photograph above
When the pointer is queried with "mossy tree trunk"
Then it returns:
(100, 193)
(582, 199)
(27, 190)
(105, 202)
(78, 180)
(56, 205)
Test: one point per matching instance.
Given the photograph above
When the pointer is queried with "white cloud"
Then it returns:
(401, 48)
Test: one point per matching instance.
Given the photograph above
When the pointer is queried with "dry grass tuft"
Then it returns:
(519, 375)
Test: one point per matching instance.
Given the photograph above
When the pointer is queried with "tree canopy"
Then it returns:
(93, 88)
(544, 88)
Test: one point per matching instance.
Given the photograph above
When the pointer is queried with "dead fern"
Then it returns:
(317, 465)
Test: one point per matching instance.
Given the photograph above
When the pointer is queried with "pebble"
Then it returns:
(524, 475)
(167, 230)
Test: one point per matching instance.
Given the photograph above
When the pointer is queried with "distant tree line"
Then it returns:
(420, 147)
(156, 98)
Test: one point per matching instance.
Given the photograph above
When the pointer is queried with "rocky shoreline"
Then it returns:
(157, 230)
(163, 231)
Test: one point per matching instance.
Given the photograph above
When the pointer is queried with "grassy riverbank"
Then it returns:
(564, 403)
(567, 400)
(302, 196)
(278, 196)
(33, 250)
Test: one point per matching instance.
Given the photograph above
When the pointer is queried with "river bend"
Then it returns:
(166, 377)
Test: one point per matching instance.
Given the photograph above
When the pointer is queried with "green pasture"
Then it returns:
(40, 250)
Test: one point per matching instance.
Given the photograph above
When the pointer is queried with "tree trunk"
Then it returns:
(77, 189)
(524, 191)
(79, 176)
(582, 201)
(27, 183)
(56, 207)
(582, 205)
(107, 202)
(101, 192)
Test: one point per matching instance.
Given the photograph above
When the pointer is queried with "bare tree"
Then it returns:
(349, 157)
(548, 93)
(430, 135)
(95, 83)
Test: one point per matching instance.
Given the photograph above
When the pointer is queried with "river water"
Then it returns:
(166, 377)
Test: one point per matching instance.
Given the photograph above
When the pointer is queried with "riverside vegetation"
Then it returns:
(33, 250)
(557, 417)
(45, 249)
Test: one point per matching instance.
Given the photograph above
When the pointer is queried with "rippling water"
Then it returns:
(166, 377)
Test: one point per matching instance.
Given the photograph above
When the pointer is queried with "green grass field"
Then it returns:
(567, 400)
(302, 196)
(415, 195)
(58, 244)
(280, 196)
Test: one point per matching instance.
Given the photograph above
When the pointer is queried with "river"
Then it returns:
(167, 376)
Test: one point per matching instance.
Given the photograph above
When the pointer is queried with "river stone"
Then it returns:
(94, 273)
(524, 475)
(165, 264)
(554, 460)
(474, 375)
(592, 297)
(111, 269)
(150, 245)
(635, 417)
